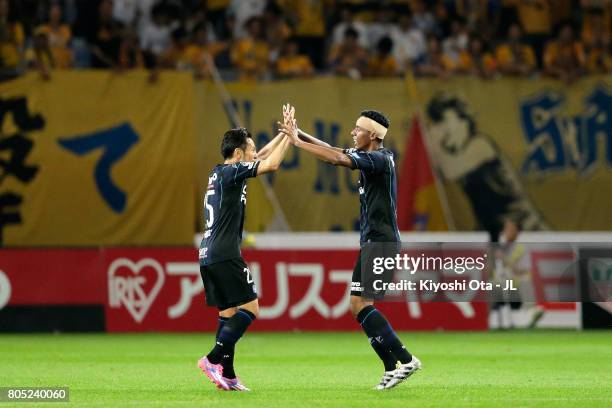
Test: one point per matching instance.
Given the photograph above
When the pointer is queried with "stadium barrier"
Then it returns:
(303, 281)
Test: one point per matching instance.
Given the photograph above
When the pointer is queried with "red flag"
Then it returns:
(418, 204)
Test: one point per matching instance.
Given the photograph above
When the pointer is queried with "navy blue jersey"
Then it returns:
(224, 204)
(377, 194)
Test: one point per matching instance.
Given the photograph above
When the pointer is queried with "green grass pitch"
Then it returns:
(522, 369)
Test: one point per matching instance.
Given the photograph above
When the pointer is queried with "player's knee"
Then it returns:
(252, 307)
(227, 313)
(356, 304)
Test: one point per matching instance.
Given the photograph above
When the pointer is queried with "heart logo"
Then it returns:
(135, 291)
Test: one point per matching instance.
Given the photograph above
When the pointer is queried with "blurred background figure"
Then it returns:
(308, 19)
(251, 53)
(514, 57)
(291, 64)
(12, 40)
(565, 58)
(536, 19)
(156, 34)
(277, 31)
(104, 37)
(130, 55)
(435, 62)
(59, 35)
(514, 309)
(347, 20)
(409, 43)
(383, 64)
(348, 58)
(40, 55)
(476, 60)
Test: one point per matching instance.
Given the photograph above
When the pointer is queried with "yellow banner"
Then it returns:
(95, 158)
(536, 151)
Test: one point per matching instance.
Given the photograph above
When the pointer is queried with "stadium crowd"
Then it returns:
(266, 39)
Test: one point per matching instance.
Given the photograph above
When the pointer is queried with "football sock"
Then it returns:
(222, 321)
(228, 359)
(378, 328)
(383, 353)
(228, 363)
(231, 332)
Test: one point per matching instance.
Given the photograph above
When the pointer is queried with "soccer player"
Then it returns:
(228, 283)
(378, 223)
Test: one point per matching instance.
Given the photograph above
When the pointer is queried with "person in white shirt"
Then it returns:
(155, 35)
(383, 26)
(347, 20)
(409, 42)
(242, 11)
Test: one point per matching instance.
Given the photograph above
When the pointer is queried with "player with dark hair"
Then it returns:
(228, 283)
(378, 223)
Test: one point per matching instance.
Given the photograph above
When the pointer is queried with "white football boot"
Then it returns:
(403, 371)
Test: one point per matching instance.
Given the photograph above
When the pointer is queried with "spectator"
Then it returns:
(309, 21)
(565, 58)
(476, 60)
(277, 29)
(201, 51)
(40, 56)
(454, 45)
(434, 63)
(444, 19)
(12, 40)
(175, 56)
(383, 64)
(597, 43)
(130, 55)
(599, 58)
(197, 16)
(596, 15)
(382, 26)
(536, 19)
(58, 37)
(155, 36)
(105, 38)
(348, 58)
(251, 54)
(423, 19)
(243, 11)
(291, 64)
(216, 12)
(125, 11)
(515, 57)
(409, 42)
(347, 19)
(596, 26)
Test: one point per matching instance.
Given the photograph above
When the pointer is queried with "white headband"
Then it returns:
(372, 126)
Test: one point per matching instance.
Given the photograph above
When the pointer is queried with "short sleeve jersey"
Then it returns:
(224, 205)
(377, 194)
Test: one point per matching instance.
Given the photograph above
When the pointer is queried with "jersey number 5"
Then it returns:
(209, 209)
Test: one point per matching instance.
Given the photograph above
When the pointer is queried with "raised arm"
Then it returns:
(331, 155)
(305, 137)
(274, 159)
(265, 151)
